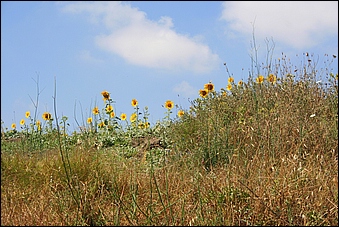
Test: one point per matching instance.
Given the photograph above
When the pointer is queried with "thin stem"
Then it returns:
(61, 152)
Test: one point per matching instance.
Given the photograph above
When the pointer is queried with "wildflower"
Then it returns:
(105, 94)
(38, 123)
(13, 125)
(101, 124)
(95, 110)
(133, 117)
(147, 124)
(224, 94)
(169, 104)
(209, 87)
(89, 120)
(46, 116)
(134, 102)
(203, 93)
(229, 87)
(22, 122)
(272, 78)
(109, 108)
(141, 125)
(240, 83)
(181, 113)
(260, 79)
(27, 114)
(123, 116)
(230, 80)
(112, 114)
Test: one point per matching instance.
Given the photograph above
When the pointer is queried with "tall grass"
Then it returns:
(262, 152)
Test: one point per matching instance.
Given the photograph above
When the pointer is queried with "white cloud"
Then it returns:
(185, 89)
(143, 42)
(300, 24)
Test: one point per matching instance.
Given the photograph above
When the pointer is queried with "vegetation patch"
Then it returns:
(258, 152)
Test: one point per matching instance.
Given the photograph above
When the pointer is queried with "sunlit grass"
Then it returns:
(258, 152)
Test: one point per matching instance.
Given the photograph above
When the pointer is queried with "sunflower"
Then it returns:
(272, 78)
(141, 125)
(209, 87)
(22, 122)
(109, 108)
(260, 79)
(134, 102)
(181, 113)
(230, 80)
(28, 114)
(169, 104)
(123, 116)
(46, 116)
(133, 117)
(240, 83)
(89, 120)
(95, 110)
(101, 124)
(38, 123)
(203, 92)
(105, 94)
(112, 114)
(229, 87)
(13, 125)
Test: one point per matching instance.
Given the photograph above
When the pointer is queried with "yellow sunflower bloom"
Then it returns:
(181, 113)
(46, 116)
(101, 124)
(272, 78)
(209, 87)
(134, 102)
(141, 125)
(260, 79)
(13, 126)
(38, 123)
(169, 104)
(105, 95)
(109, 108)
(133, 117)
(22, 122)
(95, 110)
(230, 80)
(240, 83)
(203, 93)
(28, 114)
(229, 87)
(123, 116)
(89, 120)
(112, 114)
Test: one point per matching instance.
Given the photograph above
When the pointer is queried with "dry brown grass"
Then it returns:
(259, 191)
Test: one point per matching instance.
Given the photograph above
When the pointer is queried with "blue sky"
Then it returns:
(150, 51)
